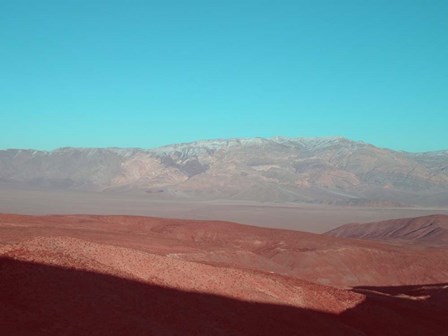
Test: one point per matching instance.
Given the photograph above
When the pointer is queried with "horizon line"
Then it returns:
(225, 139)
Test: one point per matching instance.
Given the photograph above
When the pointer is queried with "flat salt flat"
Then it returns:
(295, 216)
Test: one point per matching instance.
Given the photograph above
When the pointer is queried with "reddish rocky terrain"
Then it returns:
(318, 258)
(428, 230)
(121, 275)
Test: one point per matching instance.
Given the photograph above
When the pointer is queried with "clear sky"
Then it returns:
(147, 73)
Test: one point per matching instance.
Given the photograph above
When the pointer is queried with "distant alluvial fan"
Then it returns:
(316, 170)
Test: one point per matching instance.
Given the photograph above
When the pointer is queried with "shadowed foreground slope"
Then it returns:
(40, 299)
(118, 275)
(401, 310)
(47, 300)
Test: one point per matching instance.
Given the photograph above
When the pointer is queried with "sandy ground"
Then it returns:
(302, 217)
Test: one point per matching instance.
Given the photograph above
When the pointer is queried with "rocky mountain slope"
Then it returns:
(316, 170)
(118, 275)
(430, 230)
(313, 257)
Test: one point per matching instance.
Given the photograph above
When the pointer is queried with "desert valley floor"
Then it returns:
(294, 216)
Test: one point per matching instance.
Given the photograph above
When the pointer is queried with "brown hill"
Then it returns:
(318, 258)
(60, 285)
(429, 230)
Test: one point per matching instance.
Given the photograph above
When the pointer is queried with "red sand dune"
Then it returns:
(94, 275)
(428, 230)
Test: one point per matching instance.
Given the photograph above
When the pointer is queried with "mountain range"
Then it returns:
(331, 170)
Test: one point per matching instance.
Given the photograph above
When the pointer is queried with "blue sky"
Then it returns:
(148, 73)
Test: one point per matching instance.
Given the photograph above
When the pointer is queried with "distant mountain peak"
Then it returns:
(332, 170)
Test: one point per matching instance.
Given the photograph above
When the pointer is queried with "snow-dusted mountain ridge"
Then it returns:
(318, 170)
